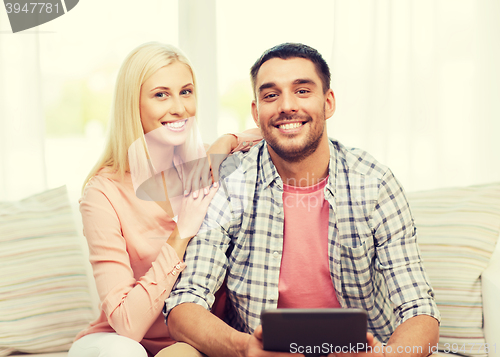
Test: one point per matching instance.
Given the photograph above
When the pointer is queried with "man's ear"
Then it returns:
(255, 113)
(329, 103)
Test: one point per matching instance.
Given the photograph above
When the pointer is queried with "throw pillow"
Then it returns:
(44, 293)
(457, 232)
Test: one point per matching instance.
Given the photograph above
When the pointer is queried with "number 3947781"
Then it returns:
(32, 8)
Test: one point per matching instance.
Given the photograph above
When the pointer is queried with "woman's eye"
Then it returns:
(161, 95)
(186, 92)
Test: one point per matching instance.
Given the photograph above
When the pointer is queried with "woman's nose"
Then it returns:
(177, 107)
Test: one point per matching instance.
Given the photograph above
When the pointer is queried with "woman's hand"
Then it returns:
(197, 176)
(218, 151)
(203, 172)
(192, 211)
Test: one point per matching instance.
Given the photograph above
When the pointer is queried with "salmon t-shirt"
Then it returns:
(305, 280)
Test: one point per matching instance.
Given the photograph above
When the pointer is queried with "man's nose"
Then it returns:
(288, 103)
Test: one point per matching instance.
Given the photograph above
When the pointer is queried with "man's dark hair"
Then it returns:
(293, 50)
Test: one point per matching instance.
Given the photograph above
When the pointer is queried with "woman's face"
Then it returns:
(168, 100)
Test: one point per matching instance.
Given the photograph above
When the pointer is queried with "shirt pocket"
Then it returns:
(356, 272)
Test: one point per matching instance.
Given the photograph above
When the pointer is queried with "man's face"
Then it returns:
(291, 107)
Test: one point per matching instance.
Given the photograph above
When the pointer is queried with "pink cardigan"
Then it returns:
(134, 268)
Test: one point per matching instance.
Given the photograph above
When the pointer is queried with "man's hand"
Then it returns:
(193, 324)
(255, 347)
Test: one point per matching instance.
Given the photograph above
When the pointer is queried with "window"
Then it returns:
(80, 55)
(245, 29)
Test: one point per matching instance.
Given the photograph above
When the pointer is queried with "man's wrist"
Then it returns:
(240, 342)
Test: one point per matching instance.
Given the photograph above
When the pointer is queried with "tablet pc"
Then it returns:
(314, 332)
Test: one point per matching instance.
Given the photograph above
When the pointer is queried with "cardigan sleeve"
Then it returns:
(131, 304)
(247, 139)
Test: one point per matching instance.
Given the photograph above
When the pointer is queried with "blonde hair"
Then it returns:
(125, 122)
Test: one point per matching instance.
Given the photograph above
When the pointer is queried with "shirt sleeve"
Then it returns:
(131, 306)
(398, 255)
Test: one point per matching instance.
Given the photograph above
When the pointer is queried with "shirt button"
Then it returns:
(244, 143)
(276, 254)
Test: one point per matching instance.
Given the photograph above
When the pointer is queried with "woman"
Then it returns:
(136, 245)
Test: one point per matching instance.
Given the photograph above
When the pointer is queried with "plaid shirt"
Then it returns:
(373, 254)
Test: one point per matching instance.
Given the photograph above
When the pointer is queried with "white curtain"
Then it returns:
(197, 38)
(22, 161)
(417, 85)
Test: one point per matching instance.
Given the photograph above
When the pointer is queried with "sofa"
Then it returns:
(47, 293)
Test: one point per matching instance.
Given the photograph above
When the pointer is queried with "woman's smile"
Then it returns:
(177, 125)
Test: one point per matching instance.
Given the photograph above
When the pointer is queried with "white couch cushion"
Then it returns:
(457, 231)
(491, 291)
(44, 293)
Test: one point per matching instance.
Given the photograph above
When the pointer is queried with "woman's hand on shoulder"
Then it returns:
(218, 151)
(203, 172)
(190, 215)
(193, 210)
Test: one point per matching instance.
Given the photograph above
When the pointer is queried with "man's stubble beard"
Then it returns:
(297, 154)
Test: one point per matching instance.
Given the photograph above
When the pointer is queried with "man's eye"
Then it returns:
(302, 91)
(270, 96)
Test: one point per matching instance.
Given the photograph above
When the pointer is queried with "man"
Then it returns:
(302, 222)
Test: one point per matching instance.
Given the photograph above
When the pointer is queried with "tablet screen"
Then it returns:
(314, 332)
